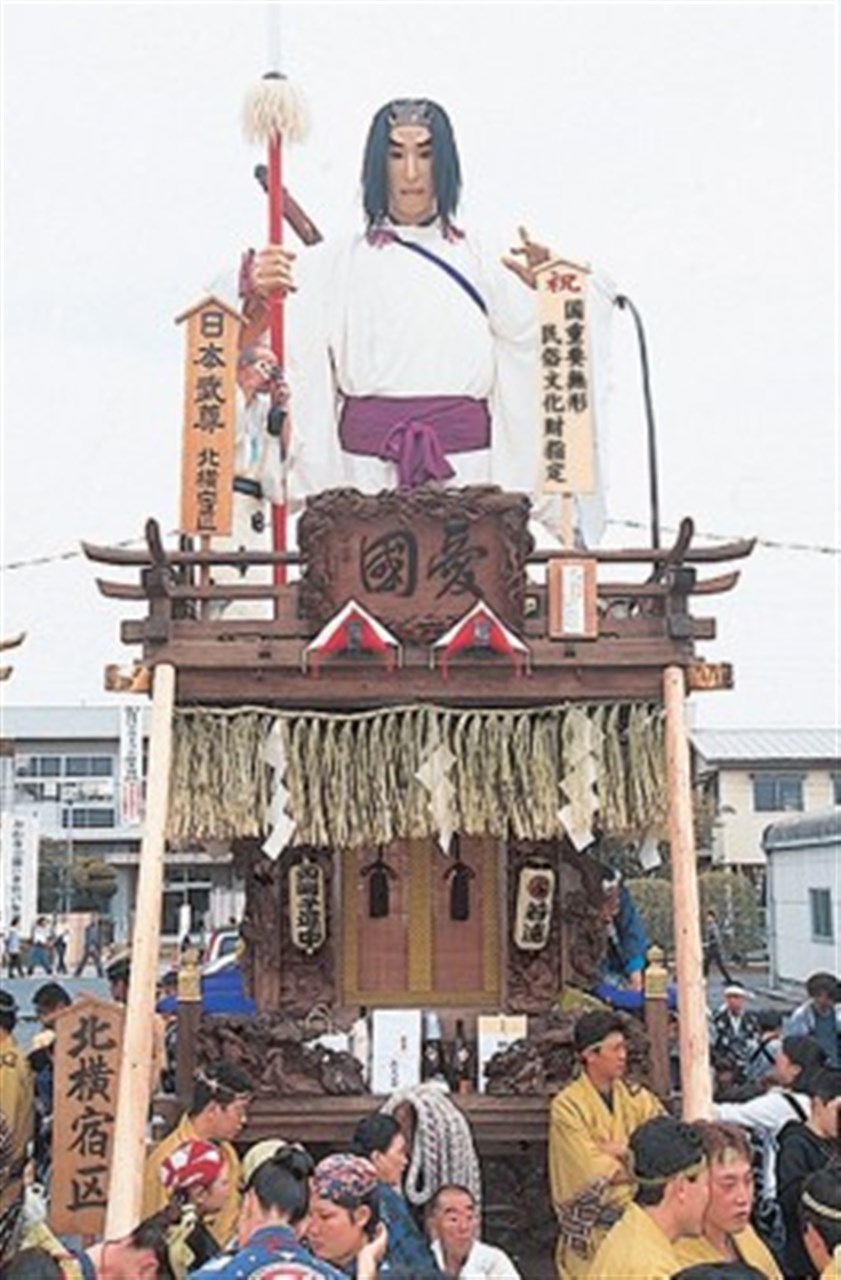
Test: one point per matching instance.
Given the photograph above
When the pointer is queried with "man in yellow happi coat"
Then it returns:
(591, 1122)
(820, 1212)
(672, 1188)
(218, 1114)
(17, 1116)
(727, 1233)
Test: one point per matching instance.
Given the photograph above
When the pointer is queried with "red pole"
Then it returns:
(276, 322)
(274, 112)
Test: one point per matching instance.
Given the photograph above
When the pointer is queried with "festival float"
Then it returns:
(415, 729)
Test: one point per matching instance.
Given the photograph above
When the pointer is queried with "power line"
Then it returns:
(732, 537)
(772, 544)
(75, 554)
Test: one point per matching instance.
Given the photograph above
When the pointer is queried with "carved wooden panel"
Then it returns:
(418, 561)
(577, 934)
(260, 926)
(278, 975)
(583, 932)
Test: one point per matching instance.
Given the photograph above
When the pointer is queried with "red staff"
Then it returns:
(274, 112)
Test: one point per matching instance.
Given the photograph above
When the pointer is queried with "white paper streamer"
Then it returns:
(281, 825)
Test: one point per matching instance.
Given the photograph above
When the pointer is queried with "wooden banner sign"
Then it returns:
(88, 1041)
(207, 466)
(565, 380)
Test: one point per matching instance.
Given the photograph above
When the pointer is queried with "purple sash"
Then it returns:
(415, 432)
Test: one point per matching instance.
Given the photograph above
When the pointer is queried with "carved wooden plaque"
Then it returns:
(416, 560)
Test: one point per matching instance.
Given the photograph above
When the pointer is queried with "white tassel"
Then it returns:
(274, 107)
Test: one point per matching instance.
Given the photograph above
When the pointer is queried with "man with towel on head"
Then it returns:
(591, 1122)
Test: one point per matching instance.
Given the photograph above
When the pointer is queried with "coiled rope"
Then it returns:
(443, 1151)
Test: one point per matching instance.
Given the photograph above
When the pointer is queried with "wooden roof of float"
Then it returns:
(641, 617)
(643, 624)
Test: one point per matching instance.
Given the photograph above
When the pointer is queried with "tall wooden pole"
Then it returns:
(126, 1185)
(696, 1084)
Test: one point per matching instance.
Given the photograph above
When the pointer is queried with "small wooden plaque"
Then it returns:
(572, 599)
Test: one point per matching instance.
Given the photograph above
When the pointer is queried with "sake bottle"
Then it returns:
(432, 1051)
(462, 1062)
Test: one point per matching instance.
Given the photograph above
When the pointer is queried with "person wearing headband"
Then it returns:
(671, 1181)
(221, 1096)
(728, 1235)
(820, 1216)
(797, 1060)
(423, 346)
(806, 1148)
(719, 1271)
(591, 1122)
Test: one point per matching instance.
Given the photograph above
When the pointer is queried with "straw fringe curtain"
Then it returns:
(351, 779)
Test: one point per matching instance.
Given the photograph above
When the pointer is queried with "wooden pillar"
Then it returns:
(189, 1017)
(126, 1185)
(657, 1022)
(696, 1084)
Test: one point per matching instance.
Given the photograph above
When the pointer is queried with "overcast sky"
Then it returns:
(687, 150)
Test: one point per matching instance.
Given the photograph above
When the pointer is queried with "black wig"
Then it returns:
(446, 169)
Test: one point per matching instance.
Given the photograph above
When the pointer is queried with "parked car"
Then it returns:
(223, 942)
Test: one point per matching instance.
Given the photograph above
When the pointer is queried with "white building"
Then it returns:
(804, 895)
(752, 776)
(81, 771)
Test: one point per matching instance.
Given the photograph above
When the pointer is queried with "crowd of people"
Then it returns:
(754, 1191)
(44, 948)
(210, 1211)
(757, 1187)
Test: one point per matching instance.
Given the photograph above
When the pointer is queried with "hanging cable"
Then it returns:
(624, 302)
